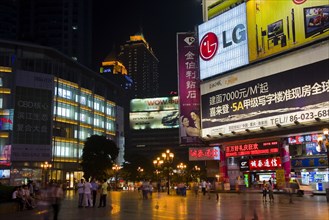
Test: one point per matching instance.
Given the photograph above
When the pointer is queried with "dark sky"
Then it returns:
(160, 20)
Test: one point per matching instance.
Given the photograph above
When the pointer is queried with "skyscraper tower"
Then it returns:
(142, 66)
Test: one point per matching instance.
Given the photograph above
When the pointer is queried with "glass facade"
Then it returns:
(84, 104)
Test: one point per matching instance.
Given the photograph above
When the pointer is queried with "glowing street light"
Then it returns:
(45, 167)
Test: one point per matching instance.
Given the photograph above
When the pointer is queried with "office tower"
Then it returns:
(142, 66)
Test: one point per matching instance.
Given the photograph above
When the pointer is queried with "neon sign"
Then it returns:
(204, 153)
(271, 147)
(265, 163)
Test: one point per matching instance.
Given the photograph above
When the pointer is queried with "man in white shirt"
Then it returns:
(87, 194)
(80, 187)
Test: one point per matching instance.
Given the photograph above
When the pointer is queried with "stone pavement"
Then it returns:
(244, 206)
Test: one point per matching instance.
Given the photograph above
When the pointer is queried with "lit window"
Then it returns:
(75, 27)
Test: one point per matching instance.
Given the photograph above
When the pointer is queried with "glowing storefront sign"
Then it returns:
(208, 153)
(265, 163)
(252, 149)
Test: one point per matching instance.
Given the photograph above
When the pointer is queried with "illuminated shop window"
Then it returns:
(63, 93)
(96, 106)
(75, 134)
(83, 117)
(90, 104)
(109, 111)
(63, 112)
(96, 121)
(109, 126)
(1, 102)
(83, 100)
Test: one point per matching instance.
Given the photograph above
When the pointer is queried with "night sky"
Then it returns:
(115, 21)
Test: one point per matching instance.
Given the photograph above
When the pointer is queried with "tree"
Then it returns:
(99, 154)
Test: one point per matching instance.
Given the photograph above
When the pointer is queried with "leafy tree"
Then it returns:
(99, 154)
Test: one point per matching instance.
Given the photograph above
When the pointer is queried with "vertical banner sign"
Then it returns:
(33, 117)
(189, 89)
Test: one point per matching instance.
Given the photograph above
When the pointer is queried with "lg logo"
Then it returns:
(209, 43)
(208, 46)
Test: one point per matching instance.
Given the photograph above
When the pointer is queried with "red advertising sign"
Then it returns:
(204, 153)
(237, 150)
(189, 89)
(265, 163)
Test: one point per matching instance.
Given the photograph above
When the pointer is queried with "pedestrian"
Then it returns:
(270, 191)
(80, 187)
(196, 188)
(94, 188)
(208, 188)
(103, 194)
(87, 194)
(203, 187)
(145, 189)
(264, 190)
(56, 192)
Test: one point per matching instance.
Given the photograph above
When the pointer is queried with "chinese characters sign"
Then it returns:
(310, 162)
(33, 117)
(252, 149)
(189, 89)
(209, 153)
(265, 163)
(264, 102)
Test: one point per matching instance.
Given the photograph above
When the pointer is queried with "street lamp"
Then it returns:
(181, 167)
(157, 164)
(140, 171)
(326, 143)
(45, 167)
(116, 169)
(168, 158)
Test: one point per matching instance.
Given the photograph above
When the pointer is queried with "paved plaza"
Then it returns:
(131, 206)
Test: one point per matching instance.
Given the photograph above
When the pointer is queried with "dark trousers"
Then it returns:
(94, 197)
(102, 201)
(56, 211)
(80, 199)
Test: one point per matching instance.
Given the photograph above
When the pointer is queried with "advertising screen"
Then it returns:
(265, 102)
(154, 120)
(292, 24)
(223, 42)
(154, 104)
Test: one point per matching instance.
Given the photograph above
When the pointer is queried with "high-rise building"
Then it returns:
(49, 105)
(142, 66)
(64, 25)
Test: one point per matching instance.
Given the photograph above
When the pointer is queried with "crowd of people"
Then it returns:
(31, 196)
(88, 193)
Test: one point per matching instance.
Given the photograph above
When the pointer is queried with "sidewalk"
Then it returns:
(130, 205)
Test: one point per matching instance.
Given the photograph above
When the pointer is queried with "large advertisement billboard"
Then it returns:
(223, 42)
(32, 128)
(154, 104)
(154, 120)
(189, 88)
(280, 99)
(276, 26)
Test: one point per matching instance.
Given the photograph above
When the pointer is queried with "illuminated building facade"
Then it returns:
(49, 105)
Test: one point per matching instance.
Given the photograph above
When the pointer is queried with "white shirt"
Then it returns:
(80, 187)
(87, 188)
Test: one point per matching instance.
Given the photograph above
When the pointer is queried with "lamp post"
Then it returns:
(157, 164)
(326, 143)
(116, 169)
(196, 171)
(140, 171)
(168, 158)
(45, 167)
(181, 167)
